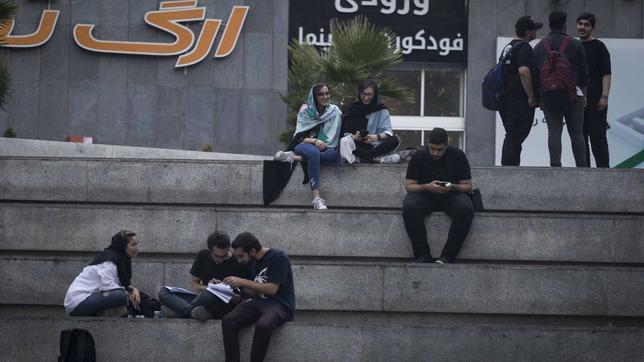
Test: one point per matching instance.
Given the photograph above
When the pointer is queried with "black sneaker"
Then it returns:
(424, 259)
(442, 260)
(201, 313)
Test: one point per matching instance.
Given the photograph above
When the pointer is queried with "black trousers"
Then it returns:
(517, 117)
(268, 315)
(457, 205)
(366, 152)
(595, 127)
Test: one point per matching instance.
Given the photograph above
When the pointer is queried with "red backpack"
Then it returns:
(556, 76)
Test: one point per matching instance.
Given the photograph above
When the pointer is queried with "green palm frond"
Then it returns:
(366, 47)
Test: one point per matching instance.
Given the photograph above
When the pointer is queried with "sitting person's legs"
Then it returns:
(329, 156)
(177, 302)
(215, 305)
(416, 206)
(268, 314)
(244, 314)
(311, 155)
(387, 145)
(459, 207)
(272, 316)
(364, 151)
(100, 301)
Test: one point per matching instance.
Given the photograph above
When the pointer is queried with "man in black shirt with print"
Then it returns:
(438, 178)
(599, 73)
(517, 111)
(272, 293)
(211, 265)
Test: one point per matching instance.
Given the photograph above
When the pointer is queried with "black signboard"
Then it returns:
(426, 30)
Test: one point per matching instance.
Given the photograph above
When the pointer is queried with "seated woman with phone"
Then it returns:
(366, 129)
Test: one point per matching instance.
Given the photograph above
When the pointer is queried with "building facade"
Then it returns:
(233, 102)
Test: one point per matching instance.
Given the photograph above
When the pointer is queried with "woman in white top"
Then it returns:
(103, 287)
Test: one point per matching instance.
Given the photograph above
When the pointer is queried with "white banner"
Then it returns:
(625, 111)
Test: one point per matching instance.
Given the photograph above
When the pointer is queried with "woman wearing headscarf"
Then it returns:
(366, 128)
(104, 286)
(316, 137)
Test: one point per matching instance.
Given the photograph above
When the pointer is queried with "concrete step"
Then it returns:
(336, 233)
(379, 286)
(20, 147)
(360, 186)
(174, 339)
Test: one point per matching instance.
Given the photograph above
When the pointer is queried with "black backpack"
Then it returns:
(76, 345)
(493, 89)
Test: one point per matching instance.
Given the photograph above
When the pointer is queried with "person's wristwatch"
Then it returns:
(379, 138)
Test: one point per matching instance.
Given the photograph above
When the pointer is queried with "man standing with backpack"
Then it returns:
(519, 101)
(562, 70)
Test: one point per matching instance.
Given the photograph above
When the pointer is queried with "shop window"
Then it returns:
(437, 101)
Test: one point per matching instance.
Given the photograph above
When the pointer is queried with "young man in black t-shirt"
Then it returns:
(599, 74)
(517, 111)
(272, 293)
(438, 178)
(211, 265)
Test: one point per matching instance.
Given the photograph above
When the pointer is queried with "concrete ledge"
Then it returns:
(337, 233)
(362, 186)
(403, 287)
(18, 147)
(173, 339)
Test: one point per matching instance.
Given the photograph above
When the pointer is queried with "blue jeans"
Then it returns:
(183, 304)
(314, 157)
(97, 302)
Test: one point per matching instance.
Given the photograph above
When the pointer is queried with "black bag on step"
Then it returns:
(477, 199)
(76, 345)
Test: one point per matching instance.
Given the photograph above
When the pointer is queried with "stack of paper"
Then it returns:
(223, 291)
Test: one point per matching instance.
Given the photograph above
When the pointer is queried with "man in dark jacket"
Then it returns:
(574, 112)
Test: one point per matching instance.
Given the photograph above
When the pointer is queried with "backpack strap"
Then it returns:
(564, 44)
(504, 54)
(546, 45)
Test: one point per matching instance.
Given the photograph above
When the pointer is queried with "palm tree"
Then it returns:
(8, 11)
(360, 50)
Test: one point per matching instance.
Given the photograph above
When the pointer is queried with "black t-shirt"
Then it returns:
(452, 167)
(598, 66)
(205, 268)
(274, 267)
(520, 56)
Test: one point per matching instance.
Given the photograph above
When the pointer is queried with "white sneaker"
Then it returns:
(319, 203)
(393, 158)
(284, 156)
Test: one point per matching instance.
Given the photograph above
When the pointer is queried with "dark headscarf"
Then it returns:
(355, 118)
(116, 254)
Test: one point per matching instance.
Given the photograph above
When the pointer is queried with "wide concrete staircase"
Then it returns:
(553, 269)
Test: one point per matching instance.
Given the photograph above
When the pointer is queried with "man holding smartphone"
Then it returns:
(438, 178)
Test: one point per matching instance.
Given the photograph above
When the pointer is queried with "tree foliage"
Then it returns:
(360, 50)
